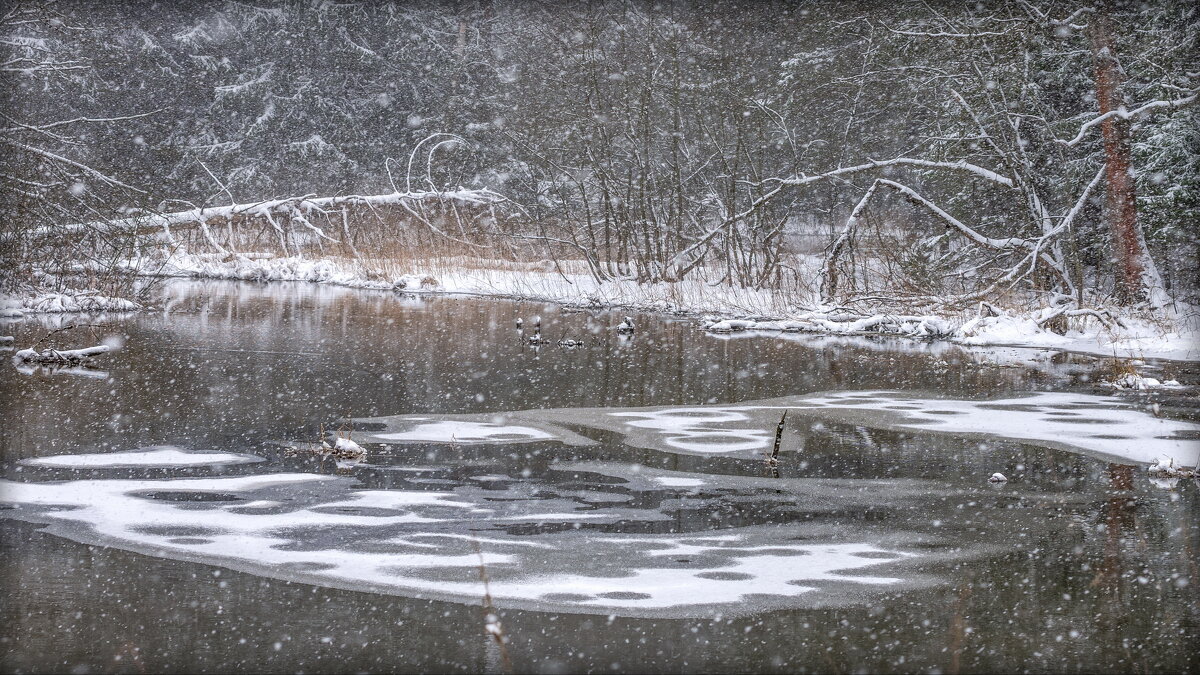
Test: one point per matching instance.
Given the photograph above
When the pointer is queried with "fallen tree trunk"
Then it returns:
(296, 209)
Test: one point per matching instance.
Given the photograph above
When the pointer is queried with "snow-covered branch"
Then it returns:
(986, 174)
(1124, 114)
(690, 256)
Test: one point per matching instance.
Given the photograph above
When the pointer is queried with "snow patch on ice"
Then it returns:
(1092, 423)
(675, 481)
(449, 431)
(157, 457)
(778, 573)
(700, 429)
(384, 543)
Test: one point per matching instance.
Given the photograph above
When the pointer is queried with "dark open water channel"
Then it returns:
(616, 492)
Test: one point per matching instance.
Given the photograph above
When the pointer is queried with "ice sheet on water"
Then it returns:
(1099, 426)
(1095, 424)
(163, 456)
(423, 544)
(539, 535)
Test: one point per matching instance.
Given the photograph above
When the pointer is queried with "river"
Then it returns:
(616, 495)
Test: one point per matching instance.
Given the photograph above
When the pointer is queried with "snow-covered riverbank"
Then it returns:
(721, 309)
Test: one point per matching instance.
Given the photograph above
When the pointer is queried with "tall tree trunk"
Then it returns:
(1120, 212)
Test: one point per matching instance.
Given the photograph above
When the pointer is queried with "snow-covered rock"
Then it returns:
(1166, 467)
(730, 325)
(415, 281)
(347, 453)
(998, 478)
(1135, 382)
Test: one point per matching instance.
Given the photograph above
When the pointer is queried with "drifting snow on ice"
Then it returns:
(673, 481)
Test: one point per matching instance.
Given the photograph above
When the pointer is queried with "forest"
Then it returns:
(1029, 155)
(600, 336)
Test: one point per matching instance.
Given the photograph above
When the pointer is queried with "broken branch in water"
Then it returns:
(52, 333)
(773, 460)
(64, 357)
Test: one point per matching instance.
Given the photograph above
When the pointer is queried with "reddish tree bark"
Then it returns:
(1120, 210)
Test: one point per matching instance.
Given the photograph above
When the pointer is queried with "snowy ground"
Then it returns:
(90, 302)
(769, 311)
(724, 309)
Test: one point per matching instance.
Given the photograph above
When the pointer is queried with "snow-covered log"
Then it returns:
(840, 323)
(65, 357)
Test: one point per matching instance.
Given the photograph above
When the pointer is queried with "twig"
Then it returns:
(492, 624)
(47, 336)
(773, 459)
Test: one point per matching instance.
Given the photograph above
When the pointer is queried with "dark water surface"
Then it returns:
(616, 493)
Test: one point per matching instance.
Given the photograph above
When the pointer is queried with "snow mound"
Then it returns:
(1135, 382)
(66, 303)
(415, 281)
(349, 446)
